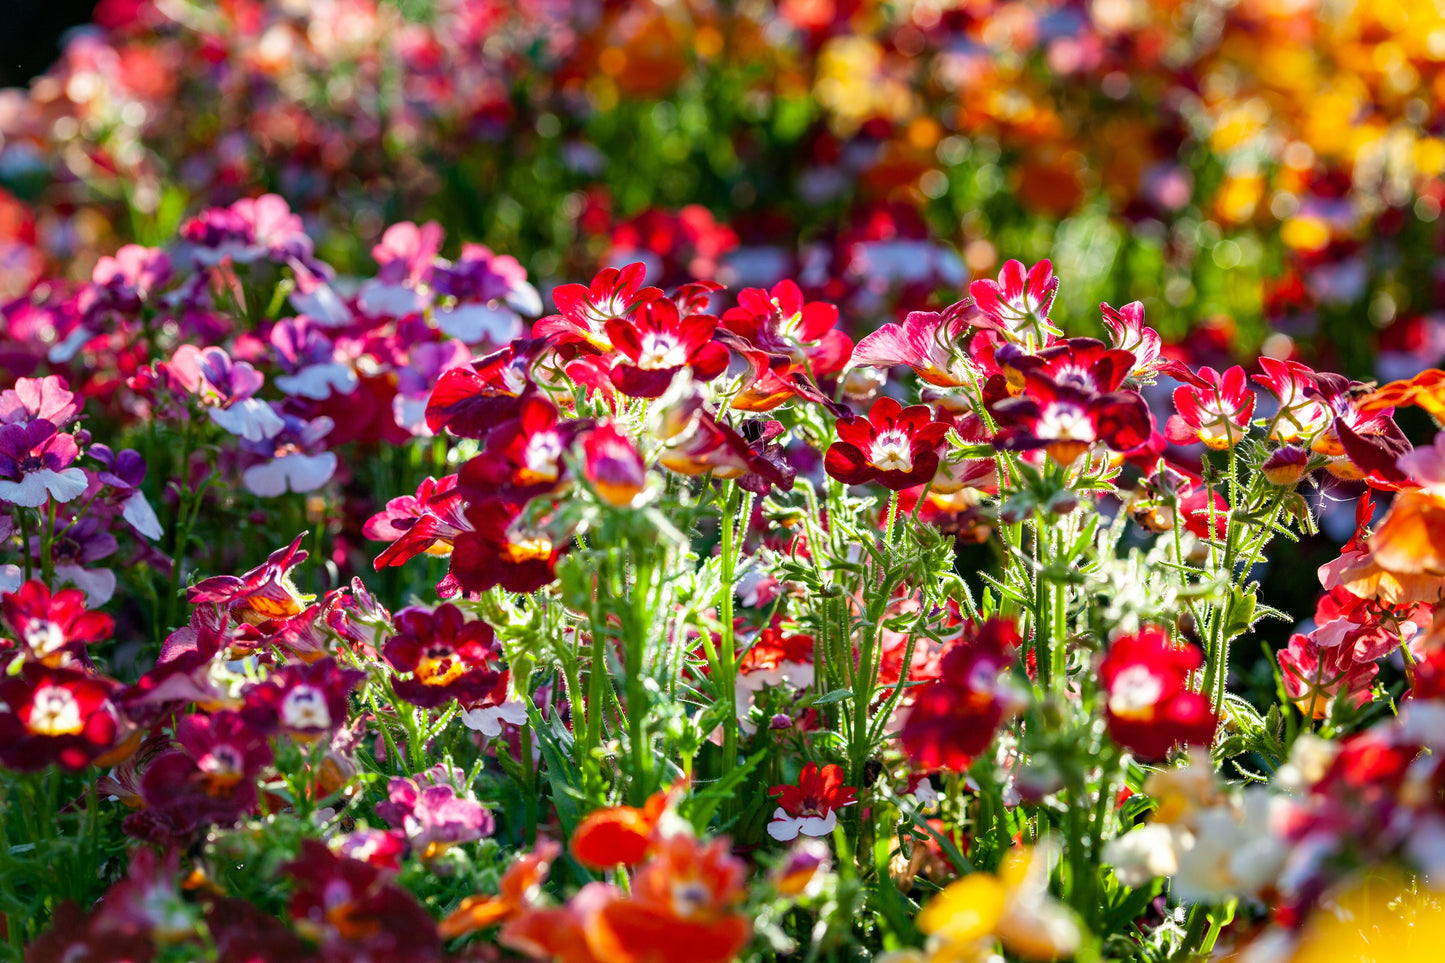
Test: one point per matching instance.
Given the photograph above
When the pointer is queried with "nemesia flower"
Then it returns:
(431, 814)
(516, 891)
(295, 461)
(1361, 443)
(427, 522)
(500, 549)
(249, 230)
(1014, 907)
(448, 656)
(658, 342)
(1066, 420)
(584, 310)
(1128, 332)
(37, 464)
(810, 806)
(265, 592)
(39, 399)
(124, 472)
(929, 342)
(954, 718)
(226, 390)
(524, 457)
(1299, 417)
(1150, 707)
(694, 442)
(310, 361)
(1314, 676)
(620, 835)
(469, 400)
(1017, 304)
(779, 322)
(894, 446)
(490, 293)
(383, 849)
(1212, 408)
(53, 629)
(209, 779)
(55, 716)
(613, 466)
(1285, 466)
(305, 701)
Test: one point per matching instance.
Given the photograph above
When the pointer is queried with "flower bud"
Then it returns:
(1285, 466)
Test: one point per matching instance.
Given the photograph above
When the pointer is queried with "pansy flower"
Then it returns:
(1213, 408)
(55, 716)
(305, 701)
(894, 446)
(448, 657)
(53, 629)
(1150, 707)
(810, 806)
(658, 342)
(1017, 304)
(954, 718)
(265, 592)
(584, 310)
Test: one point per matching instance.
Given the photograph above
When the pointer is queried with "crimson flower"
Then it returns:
(1213, 408)
(306, 701)
(658, 341)
(1066, 421)
(502, 550)
(1299, 416)
(62, 716)
(954, 717)
(265, 592)
(694, 442)
(447, 656)
(470, 400)
(811, 805)
(1128, 331)
(524, 456)
(209, 779)
(786, 342)
(53, 629)
(1017, 304)
(1150, 706)
(585, 310)
(894, 446)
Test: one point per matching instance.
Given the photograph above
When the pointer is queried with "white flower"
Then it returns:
(471, 323)
(319, 381)
(488, 719)
(297, 471)
(252, 419)
(1150, 851)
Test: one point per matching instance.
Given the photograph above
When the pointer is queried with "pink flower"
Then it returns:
(431, 814)
(427, 522)
(1213, 408)
(1128, 332)
(929, 342)
(47, 399)
(1017, 304)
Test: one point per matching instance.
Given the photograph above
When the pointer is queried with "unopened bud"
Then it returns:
(1285, 466)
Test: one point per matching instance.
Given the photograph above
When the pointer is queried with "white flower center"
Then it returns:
(660, 351)
(305, 708)
(1065, 423)
(892, 452)
(43, 638)
(54, 712)
(1135, 691)
(542, 455)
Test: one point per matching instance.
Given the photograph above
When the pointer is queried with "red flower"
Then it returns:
(811, 805)
(427, 522)
(471, 399)
(448, 657)
(1205, 513)
(53, 629)
(209, 780)
(355, 912)
(304, 701)
(954, 718)
(1299, 416)
(613, 466)
(1017, 304)
(620, 835)
(524, 456)
(895, 446)
(62, 716)
(786, 343)
(501, 550)
(658, 342)
(1213, 408)
(1314, 676)
(1150, 706)
(584, 310)
(263, 593)
(1068, 419)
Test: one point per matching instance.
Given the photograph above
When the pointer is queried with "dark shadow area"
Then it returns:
(30, 33)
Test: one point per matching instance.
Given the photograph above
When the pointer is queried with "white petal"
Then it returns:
(98, 584)
(389, 300)
(783, 827)
(252, 419)
(486, 720)
(524, 298)
(323, 305)
(318, 381)
(267, 480)
(11, 578)
(474, 322)
(818, 825)
(410, 413)
(298, 472)
(142, 517)
(29, 491)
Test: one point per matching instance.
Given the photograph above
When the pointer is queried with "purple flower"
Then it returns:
(296, 462)
(124, 472)
(226, 388)
(310, 360)
(37, 463)
(431, 813)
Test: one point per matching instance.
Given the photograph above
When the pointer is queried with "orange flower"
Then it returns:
(1411, 538)
(621, 834)
(1426, 390)
(516, 893)
(682, 908)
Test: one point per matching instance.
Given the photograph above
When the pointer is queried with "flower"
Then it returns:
(210, 779)
(1285, 466)
(305, 701)
(929, 342)
(58, 716)
(1063, 411)
(1315, 676)
(894, 446)
(294, 459)
(447, 656)
(502, 550)
(1013, 906)
(525, 456)
(658, 342)
(1017, 304)
(1212, 408)
(37, 464)
(585, 310)
(613, 466)
(1128, 332)
(515, 893)
(428, 809)
(810, 806)
(265, 592)
(427, 522)
(226, 389)
(1299, 417)
(620, 835)
(1149, 706)
(53, 629)
(954, 717)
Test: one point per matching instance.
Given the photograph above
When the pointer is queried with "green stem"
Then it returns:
(727, 656)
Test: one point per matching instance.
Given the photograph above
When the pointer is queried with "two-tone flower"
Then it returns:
(893, 446)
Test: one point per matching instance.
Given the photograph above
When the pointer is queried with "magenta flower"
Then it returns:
(1128, 332)
(428, 521)
(252, 229)
(44, 399)
(447, 656)
(658, 342)
(929, 342)
(265, 592)
(37, 463)
(209, 779)
(124, 472)
(304, 701)
(428, 809)
(488, 293)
